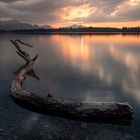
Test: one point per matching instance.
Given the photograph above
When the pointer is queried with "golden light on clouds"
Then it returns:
(93, 15)
(114, 24)
(60, 13)
(73, 12)
(126, 6)
(133, 2)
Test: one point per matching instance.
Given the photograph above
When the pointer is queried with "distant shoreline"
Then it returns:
(89, 30)
(70, 33)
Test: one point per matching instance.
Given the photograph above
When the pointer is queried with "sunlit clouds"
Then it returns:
(105, 13)
(74, 12)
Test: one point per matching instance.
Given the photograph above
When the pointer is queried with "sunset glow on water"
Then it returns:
(89, 51)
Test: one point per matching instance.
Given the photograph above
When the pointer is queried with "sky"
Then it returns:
(98, 13)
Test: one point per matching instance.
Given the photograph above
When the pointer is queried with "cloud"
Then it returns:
(64, 11)
(36, 11)
(128, 11)
(10, 0)
(113, 11)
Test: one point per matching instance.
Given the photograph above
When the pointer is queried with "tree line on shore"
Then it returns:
(78, 30)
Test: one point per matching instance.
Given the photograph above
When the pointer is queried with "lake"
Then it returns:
(86, 68)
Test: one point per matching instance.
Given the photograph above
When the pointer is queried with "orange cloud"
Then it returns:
(74, 12)
(115, 24)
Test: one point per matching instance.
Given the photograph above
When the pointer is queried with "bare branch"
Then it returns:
(23, 43)
(35, 57)
(33, 74)
(22, 56)
(20, 52)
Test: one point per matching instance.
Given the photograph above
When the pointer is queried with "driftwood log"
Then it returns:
(98, 111)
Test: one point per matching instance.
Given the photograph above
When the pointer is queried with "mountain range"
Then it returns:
(75, 26)
(16, 25)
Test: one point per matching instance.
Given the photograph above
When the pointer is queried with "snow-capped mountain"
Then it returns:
(75, 26)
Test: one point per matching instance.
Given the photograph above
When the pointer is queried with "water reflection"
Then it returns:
(130, 59)
(86, 68)
(89, 67)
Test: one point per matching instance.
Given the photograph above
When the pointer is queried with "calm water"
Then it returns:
(74, 67)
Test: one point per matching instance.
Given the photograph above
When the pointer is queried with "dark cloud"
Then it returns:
(10, 0)
(132, 13)
(106, 5)
(52, 11)
(36, 11)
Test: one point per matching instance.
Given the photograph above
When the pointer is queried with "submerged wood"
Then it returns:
(97, 111)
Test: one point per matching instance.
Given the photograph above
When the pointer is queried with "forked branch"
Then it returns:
(22, 53)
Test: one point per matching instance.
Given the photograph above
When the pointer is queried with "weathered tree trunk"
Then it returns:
(98, 111)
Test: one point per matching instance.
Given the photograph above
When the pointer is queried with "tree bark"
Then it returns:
(97, 111)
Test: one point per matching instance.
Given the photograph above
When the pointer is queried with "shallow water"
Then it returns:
(73, 67)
